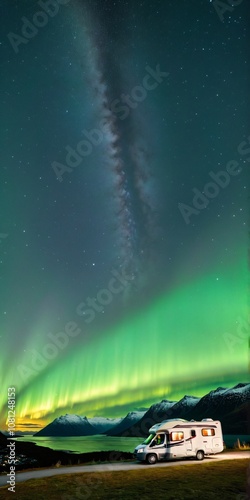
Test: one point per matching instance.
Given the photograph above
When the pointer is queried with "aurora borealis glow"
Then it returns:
(153, 307)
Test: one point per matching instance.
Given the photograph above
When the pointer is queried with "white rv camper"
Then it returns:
(178, 438)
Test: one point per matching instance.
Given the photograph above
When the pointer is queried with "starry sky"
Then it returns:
(124, 221)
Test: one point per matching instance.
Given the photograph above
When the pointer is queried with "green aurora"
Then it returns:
(186, 340)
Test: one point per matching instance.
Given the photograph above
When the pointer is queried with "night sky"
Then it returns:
(124, 204)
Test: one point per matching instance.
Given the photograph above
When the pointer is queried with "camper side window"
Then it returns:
(208, 432)
(176, 436)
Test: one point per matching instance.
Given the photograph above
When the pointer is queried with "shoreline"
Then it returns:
(31, 455)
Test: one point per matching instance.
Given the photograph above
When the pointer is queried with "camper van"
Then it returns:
(178, 438)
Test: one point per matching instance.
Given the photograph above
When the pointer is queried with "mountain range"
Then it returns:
(74, 425)
(230, 406)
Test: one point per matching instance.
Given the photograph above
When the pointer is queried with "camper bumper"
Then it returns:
(140, 454)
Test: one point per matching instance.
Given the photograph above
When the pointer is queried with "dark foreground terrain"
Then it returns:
(207, 481)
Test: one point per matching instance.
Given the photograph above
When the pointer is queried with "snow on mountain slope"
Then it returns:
(68, 425)
(131, 418)
(103, 424)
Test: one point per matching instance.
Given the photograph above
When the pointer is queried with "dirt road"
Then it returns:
(117, 466)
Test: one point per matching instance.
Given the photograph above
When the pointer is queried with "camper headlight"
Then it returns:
(140, 450)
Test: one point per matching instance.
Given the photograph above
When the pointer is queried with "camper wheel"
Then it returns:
(200, 455)
(151, 459)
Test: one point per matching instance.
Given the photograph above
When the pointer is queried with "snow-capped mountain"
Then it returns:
(156, 413)
(182, 408)
(163, 411)
(131, 419)
(216, 404)
(68, 425)
(103, 424)
(230, 406)
(160, 409)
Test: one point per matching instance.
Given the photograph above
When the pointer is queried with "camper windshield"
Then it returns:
(149, 439)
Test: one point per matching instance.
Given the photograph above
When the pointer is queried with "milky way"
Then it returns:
(126, 157)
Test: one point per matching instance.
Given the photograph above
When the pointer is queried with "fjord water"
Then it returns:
(85, 444)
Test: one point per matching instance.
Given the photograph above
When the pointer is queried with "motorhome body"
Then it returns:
(178, 438)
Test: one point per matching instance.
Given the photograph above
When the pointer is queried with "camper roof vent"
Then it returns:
(207, 420)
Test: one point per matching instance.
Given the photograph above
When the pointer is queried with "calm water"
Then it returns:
(85, 444)
(231, 439)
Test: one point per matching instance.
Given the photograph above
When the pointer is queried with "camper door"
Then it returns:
(189, 440)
